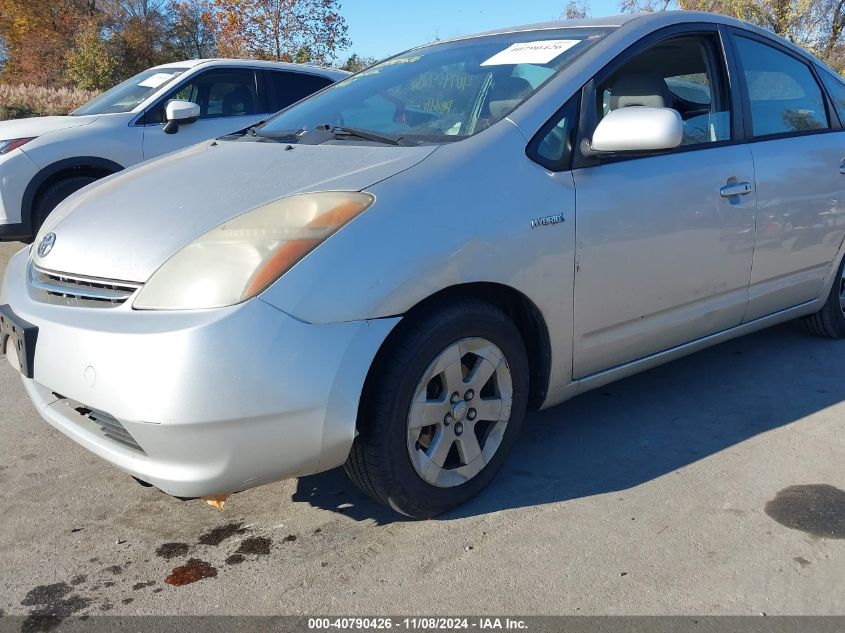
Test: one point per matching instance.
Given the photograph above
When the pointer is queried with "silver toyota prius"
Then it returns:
(391, 273)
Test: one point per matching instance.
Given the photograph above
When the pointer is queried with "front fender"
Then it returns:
(462, 216)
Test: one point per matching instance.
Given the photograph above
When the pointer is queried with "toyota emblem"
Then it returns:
(46, 245)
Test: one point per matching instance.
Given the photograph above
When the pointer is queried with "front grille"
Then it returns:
(109, 426)
(77, 290)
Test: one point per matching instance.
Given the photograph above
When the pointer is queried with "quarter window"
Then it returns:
(681, 74)
(552, 146)
(784, 96)
(836, 89)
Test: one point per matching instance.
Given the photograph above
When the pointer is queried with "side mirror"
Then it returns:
(180, 113)
(637, 129)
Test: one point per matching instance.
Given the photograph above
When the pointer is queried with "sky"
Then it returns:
(379, 28)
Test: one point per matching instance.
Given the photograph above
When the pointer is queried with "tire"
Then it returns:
(426, 470)
(50, 198)
(829, 322)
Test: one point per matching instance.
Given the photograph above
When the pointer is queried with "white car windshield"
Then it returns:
(126, 96)
(439, 93)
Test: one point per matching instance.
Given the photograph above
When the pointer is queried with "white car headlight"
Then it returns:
(242, 257)
(14, 143)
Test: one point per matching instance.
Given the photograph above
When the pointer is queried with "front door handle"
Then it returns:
(738, 189)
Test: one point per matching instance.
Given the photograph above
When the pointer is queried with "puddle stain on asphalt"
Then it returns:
(53, 603)
(219, 534)
(171, 550)
(235, 559)
(817, 509)
(142, 585)
(256, 545)
(192, 571)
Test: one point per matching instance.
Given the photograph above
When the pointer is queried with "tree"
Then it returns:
(37, 36)
(576, 10)
(355, 63)
(279, 29)
(140, 30)
(193, 28)
(94, 62)
(817, 25)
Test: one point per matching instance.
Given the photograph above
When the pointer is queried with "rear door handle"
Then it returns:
(739, 189)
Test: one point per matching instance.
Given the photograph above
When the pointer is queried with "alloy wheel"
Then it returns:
(460, 411)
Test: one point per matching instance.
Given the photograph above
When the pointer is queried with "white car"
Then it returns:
(166, 108)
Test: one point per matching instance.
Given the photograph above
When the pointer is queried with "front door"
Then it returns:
(664, 242)
(228, 100)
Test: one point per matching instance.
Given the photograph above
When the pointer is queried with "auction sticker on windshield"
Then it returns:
(541, 52)
(156, 80)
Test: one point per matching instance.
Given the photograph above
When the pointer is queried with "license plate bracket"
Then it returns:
(15, 331)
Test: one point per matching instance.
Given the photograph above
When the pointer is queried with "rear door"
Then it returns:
(664, 241)
(229, 100)
(798, 147)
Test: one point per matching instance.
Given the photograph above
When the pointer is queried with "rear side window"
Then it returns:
(836, 89)
(784, 96)
(287, 88)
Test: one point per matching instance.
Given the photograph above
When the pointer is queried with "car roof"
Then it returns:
(645, 22)
(605, 21)
(332, 73)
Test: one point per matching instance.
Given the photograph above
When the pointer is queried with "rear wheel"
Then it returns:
(50, 198)
(829, 322)
(442, 408)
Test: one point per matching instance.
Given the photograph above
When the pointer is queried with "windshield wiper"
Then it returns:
(340, 132)
(283, 136)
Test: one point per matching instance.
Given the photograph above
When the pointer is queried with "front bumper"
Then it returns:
(198, 403)
(16, 172)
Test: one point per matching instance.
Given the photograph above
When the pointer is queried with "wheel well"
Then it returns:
(71, 172)
(525, 315)
(80, 166)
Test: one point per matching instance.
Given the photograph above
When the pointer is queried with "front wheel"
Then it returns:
(829, 322)
(442, 407)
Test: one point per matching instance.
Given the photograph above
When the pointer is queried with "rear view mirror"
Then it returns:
(637, 129)
(180, 113)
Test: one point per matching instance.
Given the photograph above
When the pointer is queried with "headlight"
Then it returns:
(242, 257)
(15, 143)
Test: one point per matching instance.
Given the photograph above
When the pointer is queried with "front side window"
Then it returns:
(784, 96)
(444, 92)
(218, 93)
(128, 95)
(681, 74)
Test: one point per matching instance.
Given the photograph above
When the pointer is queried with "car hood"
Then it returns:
(127, 225)
(23, 128)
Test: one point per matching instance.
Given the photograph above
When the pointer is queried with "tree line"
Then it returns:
(816, 25)
(93, 44)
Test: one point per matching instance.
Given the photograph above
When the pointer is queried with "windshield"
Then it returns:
(126, 96)
(441, 93)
